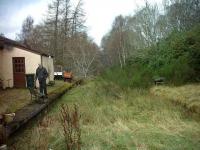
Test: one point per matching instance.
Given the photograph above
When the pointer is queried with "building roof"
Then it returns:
(6, 41)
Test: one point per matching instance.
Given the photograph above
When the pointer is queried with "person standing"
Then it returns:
(41, 75)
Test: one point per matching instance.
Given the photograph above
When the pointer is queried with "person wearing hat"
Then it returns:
(41, 75)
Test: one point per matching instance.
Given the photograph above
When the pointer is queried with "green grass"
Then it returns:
(116, 118)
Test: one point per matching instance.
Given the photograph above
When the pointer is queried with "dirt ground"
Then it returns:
(14, 99)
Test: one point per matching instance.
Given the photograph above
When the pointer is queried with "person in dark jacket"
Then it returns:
(41, 75)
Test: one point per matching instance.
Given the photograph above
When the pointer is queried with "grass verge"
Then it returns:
(116, 118)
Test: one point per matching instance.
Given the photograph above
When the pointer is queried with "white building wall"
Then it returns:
(31, 63)
(47, 62)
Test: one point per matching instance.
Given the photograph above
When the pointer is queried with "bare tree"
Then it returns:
(52, 27)
(65, 30)
(115, 43)
(27, 28)
(78, 18)
(182, 14)
(84, 55)
(62, 34)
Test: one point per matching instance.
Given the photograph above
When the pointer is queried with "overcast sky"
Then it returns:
(99, 14)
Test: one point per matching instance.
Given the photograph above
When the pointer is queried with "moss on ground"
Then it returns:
(12, 100)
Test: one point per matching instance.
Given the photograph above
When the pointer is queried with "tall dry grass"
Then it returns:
(187, 95)
(125, 118)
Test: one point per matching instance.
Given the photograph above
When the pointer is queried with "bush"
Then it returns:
(129, 76)
(177, 71)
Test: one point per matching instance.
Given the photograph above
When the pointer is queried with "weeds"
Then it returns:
(70, 123)
(42, 131)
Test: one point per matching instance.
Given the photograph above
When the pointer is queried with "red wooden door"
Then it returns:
(19, 72)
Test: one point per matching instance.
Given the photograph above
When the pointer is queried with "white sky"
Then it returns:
(99, 14)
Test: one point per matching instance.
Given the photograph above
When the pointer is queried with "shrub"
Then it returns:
(130, 76)
(177, 71)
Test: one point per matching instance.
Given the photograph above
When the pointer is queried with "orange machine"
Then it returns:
(67, 76)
